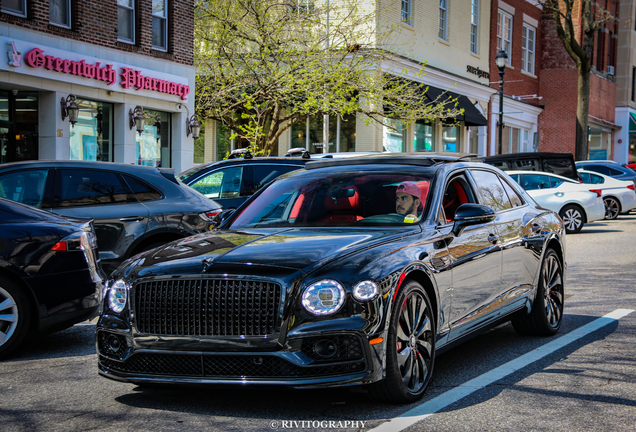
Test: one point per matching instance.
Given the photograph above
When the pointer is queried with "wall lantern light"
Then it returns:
(501, 60)
(137, 119)
(70, 109)
(193, 126)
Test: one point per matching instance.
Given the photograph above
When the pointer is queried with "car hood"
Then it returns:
(265, 250)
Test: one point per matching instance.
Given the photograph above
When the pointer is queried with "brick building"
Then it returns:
(515, 28)
(558, 86)
(110, 57)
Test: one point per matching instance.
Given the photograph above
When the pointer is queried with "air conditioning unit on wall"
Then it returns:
(610, 70)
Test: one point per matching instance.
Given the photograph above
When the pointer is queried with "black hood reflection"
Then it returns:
(293, 249)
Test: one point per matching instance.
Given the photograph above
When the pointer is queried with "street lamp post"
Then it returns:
(500, 60)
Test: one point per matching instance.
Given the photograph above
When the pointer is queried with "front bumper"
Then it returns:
(298, 364)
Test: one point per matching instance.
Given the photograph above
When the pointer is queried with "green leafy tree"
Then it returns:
(266, 65)
(576, 22)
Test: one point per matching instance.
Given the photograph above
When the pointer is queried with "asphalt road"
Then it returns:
(589, 384)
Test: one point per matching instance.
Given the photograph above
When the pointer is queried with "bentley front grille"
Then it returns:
(207, 307)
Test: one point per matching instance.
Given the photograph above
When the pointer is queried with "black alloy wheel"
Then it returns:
(410, 347)
(612, 208)
(547, 310)
(14, 316)
(573, 218)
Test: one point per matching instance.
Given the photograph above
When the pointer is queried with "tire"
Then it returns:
(547, 310)
(15, 316)
(573, 218)
(612, 208)
(410, 353)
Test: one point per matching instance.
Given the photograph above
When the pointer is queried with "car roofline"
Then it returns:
(417, 159)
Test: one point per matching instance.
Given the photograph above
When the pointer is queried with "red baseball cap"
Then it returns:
(411, 189)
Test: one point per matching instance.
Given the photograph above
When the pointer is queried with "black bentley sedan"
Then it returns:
(351, 272)
(50, 278)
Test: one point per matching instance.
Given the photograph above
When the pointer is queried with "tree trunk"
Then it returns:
(582, 111)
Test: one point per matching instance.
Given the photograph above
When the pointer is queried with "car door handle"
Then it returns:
(131, 219)
(492, 238)
(536, 228)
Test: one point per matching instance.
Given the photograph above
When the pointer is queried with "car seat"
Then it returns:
(342, 205)
(454, 196)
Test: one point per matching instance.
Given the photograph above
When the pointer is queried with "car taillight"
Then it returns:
(598, 192)
(86, 242)
(209, 215)
(632, 187)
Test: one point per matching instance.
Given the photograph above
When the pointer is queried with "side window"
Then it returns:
(142, 190)
(26, 187)
(513, 196)
(89, 187)
(527, 165)
(515, 177)
(561, 167)
(585, 177)
(614, 172)
(224, 183)
(535, 181)
(491, 190)
(457, 192)
(598, 168)
(263, 174)
(595, 179)
(555, 182)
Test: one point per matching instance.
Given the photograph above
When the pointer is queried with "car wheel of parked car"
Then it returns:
(547, 309)
(410, 347)
(15, 316)
(612, 208)
(573, 218)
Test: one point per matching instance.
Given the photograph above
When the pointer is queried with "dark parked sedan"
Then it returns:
(350, 272)
(49, 275)
(134, 208)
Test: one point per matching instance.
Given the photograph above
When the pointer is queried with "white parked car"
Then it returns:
(575, 202)
(619, 195)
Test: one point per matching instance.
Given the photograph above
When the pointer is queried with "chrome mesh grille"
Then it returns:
(207, 307)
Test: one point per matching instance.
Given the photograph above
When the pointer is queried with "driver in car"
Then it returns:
(408, 201)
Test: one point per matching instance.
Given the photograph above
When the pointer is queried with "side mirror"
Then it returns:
(222, 217)
(471, 214)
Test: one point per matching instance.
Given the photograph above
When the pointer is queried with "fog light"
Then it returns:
(325, 348)
(113, 344)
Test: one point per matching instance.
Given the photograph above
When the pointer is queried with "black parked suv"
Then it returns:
(555, 163)
(230, 182)
(134, 208)
(49, 275)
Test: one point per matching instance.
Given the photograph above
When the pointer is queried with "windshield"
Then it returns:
(341, 199)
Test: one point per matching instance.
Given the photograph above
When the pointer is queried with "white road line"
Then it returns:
(428, 408)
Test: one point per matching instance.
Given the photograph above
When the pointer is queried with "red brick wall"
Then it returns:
(95, 22)
(515, 82)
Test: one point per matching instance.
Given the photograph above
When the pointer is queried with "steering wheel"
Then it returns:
(385, 218)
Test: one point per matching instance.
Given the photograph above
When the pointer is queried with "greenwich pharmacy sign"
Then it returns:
(129, 78)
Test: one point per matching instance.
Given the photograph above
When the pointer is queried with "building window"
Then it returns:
(504, 34)
(528, 40)
(450, 138)
(406, 12)
(443, 20)
(60, 13)
(92, 136)
(153, 146)
(126, 21)
(424, 140)
(15, 7)
(394, 136)
(308, 134)
(159, 25)
(474, 26)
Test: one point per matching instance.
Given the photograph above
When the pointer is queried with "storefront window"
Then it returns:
(92, 137)
(343, 131)
(599, 144)
(473, 140)
(153, 146)
(450, 138)
(631, 157)
(424, 137)
(18, 126)
(394, 136)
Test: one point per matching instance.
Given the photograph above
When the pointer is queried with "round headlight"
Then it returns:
(324, 297)
(117, 296)
(365, 290)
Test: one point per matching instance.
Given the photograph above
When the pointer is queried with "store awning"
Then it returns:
(632, 123)
(471, 116)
